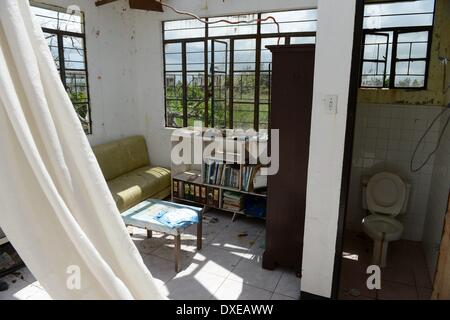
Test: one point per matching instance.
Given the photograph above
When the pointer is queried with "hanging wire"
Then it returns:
(224, 20)
(423, 137)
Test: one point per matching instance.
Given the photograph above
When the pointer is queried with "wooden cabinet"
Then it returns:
(290, 113)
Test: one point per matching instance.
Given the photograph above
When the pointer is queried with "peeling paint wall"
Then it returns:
(433, 95)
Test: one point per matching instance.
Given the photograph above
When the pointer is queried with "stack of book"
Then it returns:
(218, 173)
(232, 201)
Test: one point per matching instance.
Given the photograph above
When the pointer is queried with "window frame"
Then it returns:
(60, 34)
(393, 61)
(258, 36)
(377, 61)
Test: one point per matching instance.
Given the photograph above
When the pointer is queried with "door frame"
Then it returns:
(348, 147)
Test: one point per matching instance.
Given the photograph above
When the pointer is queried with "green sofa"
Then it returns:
(128, 173)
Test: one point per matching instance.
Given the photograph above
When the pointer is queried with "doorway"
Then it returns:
(395, 128)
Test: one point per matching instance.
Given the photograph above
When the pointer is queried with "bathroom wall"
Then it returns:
(437, 203)
(440, 183)
(385, 137)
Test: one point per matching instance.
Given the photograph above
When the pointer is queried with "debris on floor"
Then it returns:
(354, 292)
(210, 219)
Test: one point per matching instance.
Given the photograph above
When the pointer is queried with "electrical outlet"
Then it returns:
(330, 103)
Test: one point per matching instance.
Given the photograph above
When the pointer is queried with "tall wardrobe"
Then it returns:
(290, 113)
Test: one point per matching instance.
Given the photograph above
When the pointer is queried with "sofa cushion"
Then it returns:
(123, 156)
(138, 185)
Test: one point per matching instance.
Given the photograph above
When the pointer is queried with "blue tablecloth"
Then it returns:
(159, 215)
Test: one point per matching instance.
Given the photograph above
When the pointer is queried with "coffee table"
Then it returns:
(143, 215)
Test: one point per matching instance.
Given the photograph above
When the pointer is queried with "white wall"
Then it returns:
(334, 39)
(385, 137)
(112, 78)
(437, 204)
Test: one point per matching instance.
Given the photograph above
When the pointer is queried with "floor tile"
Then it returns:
(355, 284)
(167, 251)
(277, 296)
(397, 273)
(253, 274)
(18, 289)
(234, 290)
(200, 286)
(204, 273)
(289, 285)
(406, 269)
(234, 240)
(147, 246)
(247, 225)
(39, 294)
(396, 291)
(217, 261)
(424, 293)
(24, 274)
(161, 269)
(348, 296)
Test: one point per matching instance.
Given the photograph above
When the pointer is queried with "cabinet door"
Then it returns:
(292, 88)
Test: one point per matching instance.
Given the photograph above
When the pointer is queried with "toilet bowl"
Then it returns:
(385, 196)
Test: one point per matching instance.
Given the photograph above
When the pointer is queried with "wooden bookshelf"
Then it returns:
(189, 185)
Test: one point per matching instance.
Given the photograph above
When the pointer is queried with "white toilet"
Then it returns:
(385, 195)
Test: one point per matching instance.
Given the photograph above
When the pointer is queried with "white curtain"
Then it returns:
(55, 206)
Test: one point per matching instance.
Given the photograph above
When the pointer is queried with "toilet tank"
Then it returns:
(365, 181)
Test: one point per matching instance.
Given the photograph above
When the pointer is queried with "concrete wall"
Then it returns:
(334, 39)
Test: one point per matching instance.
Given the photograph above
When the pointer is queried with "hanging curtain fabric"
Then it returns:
(55, 206)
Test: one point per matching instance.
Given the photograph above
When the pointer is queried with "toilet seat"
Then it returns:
(386, 194)
(383, 228)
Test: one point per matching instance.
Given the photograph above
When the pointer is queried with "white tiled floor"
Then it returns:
(228, 266)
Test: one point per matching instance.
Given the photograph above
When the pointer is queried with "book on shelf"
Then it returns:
(189, 191)
(218, 173)
(212, 197)
(175, 188)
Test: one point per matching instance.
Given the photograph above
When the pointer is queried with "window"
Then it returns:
(64, 32)
(397, 41)
(219, 74)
